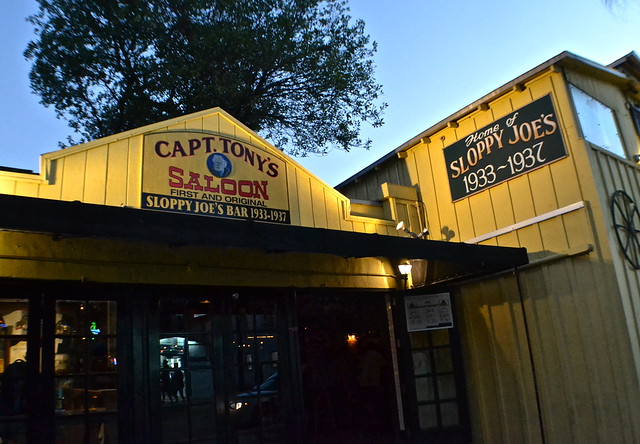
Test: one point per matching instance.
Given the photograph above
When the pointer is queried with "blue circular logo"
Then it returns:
(219, 165)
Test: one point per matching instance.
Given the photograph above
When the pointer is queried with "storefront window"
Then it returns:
(186, 371)
(597, 122)
(218, 368)
(86, 371)
(256, 410)
(14, 315)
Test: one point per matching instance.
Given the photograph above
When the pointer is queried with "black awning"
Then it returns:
(76, 219)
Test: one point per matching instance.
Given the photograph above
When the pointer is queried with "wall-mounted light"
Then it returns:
(636, 158)
(402, 227)
(404, 268)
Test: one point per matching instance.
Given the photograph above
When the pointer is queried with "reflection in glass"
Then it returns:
(85, 359)
(421, 364)
(172, 313)
(201, 385)
(186, 371)
(85, 371)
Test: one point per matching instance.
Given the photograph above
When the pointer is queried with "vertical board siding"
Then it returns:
(446, 219)
(616, 174)
(497, 359)
(483, 204)
(581, 362)
(134, 172)
(117, 173)
(581, 331)
(503, 213)
(95, 175)
(333, 210)
(109, 172)
(318, 205)
(464, 219)
(73, 177)
(294, 195)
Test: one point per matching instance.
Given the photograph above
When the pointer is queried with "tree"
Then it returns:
(300, 72)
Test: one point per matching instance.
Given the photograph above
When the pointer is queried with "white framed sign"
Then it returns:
(428, 312)
(209, 174)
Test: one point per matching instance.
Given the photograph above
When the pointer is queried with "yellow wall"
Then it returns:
(108, 171)
(43, 256)
(580, 299)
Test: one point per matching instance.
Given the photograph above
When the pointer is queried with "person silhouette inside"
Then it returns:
(178, 381)
(166, 382)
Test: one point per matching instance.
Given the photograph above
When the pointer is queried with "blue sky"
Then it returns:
(433, 59)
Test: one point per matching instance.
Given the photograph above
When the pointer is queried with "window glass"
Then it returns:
(424, 389)
(13, 356)
(435, 383)
(85, 371)
(428, 416)
(186, 370)
(449, 412)
(597, 122)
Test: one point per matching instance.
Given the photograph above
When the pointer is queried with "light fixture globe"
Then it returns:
(404, 268)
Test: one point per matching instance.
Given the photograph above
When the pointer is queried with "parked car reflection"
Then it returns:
(258, 407)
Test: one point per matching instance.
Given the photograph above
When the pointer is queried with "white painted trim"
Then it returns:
(528, 222)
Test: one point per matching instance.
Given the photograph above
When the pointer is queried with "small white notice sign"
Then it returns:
(428, 312)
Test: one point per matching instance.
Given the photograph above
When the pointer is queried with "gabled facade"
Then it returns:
(188, 282)
(548, 162)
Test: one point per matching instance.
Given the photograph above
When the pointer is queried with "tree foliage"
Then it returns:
(300, 72)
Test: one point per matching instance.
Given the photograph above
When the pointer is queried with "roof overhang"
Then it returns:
(76, 219)
(564, 59)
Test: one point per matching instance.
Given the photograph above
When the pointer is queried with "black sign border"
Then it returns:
(564, 144)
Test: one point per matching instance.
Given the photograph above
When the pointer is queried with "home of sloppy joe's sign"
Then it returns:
(522, 141)
(213, 175)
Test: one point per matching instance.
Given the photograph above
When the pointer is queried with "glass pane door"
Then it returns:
(256, 412)
(14, 315)
(218, 368)
(441, 400)
(85, 380)
(186, 371)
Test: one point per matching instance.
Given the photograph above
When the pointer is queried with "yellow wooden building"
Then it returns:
(188, 282)
(549, 162)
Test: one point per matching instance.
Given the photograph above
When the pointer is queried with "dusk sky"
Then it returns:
(433, 59)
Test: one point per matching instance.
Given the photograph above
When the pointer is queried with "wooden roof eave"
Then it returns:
(76, 219)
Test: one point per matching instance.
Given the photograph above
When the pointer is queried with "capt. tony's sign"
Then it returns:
(522, 141)
(213, 175)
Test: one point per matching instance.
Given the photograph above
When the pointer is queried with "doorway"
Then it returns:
(222, 366)
(347, 372)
